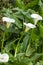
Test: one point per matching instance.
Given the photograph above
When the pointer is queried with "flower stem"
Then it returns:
(42, 52)
(3, 41)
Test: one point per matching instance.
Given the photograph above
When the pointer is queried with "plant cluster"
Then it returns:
(21, 32)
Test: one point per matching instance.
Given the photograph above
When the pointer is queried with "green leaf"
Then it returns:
(19, 3)
(41, 30)
(25, 43)
(29, 50)
(31, 4)
(9, 46)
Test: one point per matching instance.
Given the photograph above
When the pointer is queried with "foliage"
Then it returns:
(24, 48)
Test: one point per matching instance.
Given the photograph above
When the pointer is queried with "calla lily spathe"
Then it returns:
(4, 57)
(29, 25)
(8, 21)
(36, 18)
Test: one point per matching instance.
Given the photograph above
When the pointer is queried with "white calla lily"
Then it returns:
(29, 25)
(8, 21)
(36, 18)
(4, 57)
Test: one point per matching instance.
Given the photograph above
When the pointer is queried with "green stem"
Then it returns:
(42, 52)
(18, 44)
(3, 41)
(3, 38)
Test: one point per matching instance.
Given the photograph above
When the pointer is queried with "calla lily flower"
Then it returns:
(29, 25)
(4, 57)
(8, 21)
(36, 18)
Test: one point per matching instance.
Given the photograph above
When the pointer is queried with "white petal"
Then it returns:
(36, 16)
(6, 19)
(29, 25)
(4, 57)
